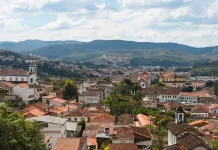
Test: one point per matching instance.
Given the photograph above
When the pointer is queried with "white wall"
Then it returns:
(55, 131)
(77, 119)
(34, 77)
(169, 98)
(16, 78)
(201, 114)
(89, 99)
(25, 93)
(189, 99)
(171, 138)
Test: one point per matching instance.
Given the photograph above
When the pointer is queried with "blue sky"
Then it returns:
(192, 22)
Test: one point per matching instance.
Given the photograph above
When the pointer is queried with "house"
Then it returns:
(142, 138)
(189, 98)
(189, 142)
(70, 144)
(198, 84)
(143, 120)
(92, 129)
(24, 91)
(102, 118)
(76, 116)
(184, 136)
(53, 101)
(90, 97)
(53, 127)
(200, 110)
(23, 76)
(202, 125)
(34, 113)
(162, 94)
(125, 119)
(123, 146)
(172, 79)
(144, 79)
(213, 109)
(122, 135)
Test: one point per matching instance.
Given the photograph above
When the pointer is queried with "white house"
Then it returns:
(53, 127)
(200, 110)
(54, 101)
(90, 97)
(23, 90)
(23, 76)
(162, 94)
(189, 98)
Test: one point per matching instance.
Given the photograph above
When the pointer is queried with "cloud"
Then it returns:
(191, 22)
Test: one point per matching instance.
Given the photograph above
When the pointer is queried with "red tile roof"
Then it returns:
(102, 118)
(67, 144)
(123, 146)
(144, 120)
(200, 108)
(23, 85)
(58, 100)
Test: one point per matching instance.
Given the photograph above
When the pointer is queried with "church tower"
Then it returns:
(33, 68)
(179, 115)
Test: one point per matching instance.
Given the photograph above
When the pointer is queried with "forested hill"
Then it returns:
(30, 45)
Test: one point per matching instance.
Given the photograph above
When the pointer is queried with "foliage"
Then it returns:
(83, 124)
(158, 133)
(16, 133)
(216, 88)
(187, 89)
(120, 104)
(70, 90)
(213, 144)
(209, 84)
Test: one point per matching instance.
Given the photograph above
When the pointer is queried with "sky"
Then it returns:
(190, 22)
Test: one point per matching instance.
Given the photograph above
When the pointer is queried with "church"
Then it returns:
(20, 76)
(182, 136)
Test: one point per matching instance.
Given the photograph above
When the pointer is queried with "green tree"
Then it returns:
(213, 144)
(216, 88)
(70, 90)
(187, 89)
(17, 133)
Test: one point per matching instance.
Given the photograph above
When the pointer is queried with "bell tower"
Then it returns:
(179, 115)
(33, 68)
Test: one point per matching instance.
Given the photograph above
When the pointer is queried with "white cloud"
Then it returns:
(190, 22)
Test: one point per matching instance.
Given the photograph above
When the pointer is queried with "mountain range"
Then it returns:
(140, 53)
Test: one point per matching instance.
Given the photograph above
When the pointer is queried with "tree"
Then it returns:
(213, 144)
(187, 89)
(83, 124)
(70, 90)
(216, 88)
(19, 134)
(209, 83)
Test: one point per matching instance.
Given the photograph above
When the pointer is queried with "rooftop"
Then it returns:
(49, 119)
(68, 144)
(123, 146)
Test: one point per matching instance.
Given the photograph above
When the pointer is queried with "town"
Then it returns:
(141, 109)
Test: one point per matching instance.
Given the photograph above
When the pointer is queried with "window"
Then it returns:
(31, 80)
(69, 119)
(10, 78)
(180, 116)
(16, 79)
(75, 119)
(44, 124)
(22, 79)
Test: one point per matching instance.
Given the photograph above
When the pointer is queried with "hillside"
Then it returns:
(30, 45)
(140, 53)
(205, 68)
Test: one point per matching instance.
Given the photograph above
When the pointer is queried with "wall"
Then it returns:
(78, 119)
(89, 99)
(169, 98)
(171, 138)
(55, 131)
(189, 99)
(24, 93)
(16, 78)
(34, 77)
(201, 114)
